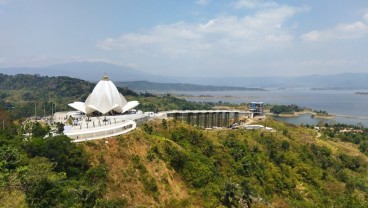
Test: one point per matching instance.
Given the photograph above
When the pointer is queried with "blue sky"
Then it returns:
(189, 37)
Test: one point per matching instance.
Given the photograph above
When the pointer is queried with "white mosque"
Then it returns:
(105, 113)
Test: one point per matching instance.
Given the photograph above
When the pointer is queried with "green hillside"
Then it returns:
(21, 93)
(167, 163)
(171, 164)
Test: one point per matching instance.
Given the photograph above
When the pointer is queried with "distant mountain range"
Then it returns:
(90, 71)
(146, 85)
(93, 71)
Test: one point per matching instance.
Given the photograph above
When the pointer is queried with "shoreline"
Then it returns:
(349, 116)
(296, 114)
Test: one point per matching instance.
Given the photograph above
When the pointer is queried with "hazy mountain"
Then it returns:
(145, 85)
(336, 81)
(93, 71)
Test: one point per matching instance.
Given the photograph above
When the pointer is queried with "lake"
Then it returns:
(348, 107)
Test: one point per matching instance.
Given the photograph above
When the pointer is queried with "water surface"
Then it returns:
(348, 107)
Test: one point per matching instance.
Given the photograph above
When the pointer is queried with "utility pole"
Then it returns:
(35, 110)
(52, 106)
(52, 112)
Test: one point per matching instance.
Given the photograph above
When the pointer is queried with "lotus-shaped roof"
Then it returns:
(104, 98)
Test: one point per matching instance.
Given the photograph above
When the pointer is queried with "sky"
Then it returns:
(189, 37)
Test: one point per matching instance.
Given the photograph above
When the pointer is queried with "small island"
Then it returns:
(361, 93)
(294, 111)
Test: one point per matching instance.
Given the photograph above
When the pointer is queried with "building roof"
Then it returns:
(104, 98)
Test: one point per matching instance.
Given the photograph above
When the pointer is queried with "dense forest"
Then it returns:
(291, 109)
(285, 109)
(47, 172)
(24, 94)
(171, 164)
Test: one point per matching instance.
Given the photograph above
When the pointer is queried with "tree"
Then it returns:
(164, 123)
(147, 128)
(40, 131)
(60, 127)
(231, 194)
(10, 161)
(45, 193)
(246, 192)
(67, 156)
(363, 147)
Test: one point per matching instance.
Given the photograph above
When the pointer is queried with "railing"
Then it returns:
(86, 124)
(99, 133)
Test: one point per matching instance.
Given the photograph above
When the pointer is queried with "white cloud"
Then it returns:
(343, 31)
(222, 35)
(353, 30)
(312, 36)
(89, 59)
(252, 4)
(127, 40)
(202, 2)
(133, 65)
(365, 17)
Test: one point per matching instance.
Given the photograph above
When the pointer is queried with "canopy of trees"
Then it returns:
(52, 172)
(285, 109)
(239, 168)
